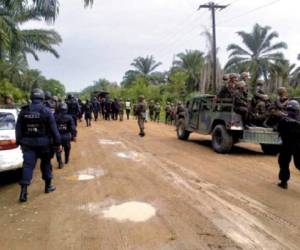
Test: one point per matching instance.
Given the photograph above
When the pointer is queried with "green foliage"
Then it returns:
(145, 65)
(7, 88)
(259, 54)
(54, 86)
(192, 62)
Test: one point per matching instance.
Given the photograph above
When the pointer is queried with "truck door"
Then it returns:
(195, 113)
(205, 115)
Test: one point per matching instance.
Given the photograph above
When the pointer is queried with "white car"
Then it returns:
(10, 153)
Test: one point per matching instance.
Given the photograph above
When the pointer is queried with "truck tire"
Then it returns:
(270, 149)
(182, 133)
(222, 141)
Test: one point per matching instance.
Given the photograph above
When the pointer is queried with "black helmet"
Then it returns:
(37, 94)
(293, 106)
(48, 95)
(63, 107)
(70, 96)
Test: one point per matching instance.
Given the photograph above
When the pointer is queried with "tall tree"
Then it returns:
(145, 65)
(259, 53)
(192, 62)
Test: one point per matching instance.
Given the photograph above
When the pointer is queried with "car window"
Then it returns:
(7, 121)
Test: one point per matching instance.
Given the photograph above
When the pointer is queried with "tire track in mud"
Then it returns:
(235, 222)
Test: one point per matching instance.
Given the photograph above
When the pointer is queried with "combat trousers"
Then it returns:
(156, 117)
(285, 157)
(141, 123)
(127, 113)
(168, 118)
(67, 149)
(121, 115)
(96, 113)
(74, 119)
(30, 156)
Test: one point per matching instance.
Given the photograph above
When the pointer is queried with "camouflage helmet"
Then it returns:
(141, 97)
(179, 102)
(293, 106)
(55, 98)
(9, 97)
(241, 84)
(225, 77)
(281, 91)
(245, 74)
(233, 76)
(260, 83)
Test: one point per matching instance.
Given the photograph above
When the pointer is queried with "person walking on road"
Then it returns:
(96, 108)
(157, 109)
(88, 110)
(36, 130)
(122, 109)
(73, 108)
(289, 130)
(67, 130)
(128, 108)
(140, 112)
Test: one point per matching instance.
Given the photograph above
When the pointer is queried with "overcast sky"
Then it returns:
(102, 41)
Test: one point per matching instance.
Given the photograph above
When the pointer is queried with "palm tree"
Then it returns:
(15, 41)
(192, 62)
(259, 54)
(145, 65)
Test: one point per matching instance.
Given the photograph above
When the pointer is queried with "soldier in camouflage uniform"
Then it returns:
(122, 109)
(140, 113)
(157, 109)
(240, 101)
(168, 115)
(151, 110)
(228, 90)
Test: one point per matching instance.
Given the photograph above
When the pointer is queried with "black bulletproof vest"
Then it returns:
(62, 124)
(34, 122)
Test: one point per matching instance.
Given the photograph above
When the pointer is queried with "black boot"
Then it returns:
(23, 194)
(283, 185)
(48, 187)
(60, 164)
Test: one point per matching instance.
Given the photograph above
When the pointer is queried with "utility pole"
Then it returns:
(213, 6)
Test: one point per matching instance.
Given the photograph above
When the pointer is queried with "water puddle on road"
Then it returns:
(109, 142)
(86, 175)
(132, 211)
(130, 155)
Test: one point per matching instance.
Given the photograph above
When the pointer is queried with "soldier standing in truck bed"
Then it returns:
(140, 112)
(240, 101)
(227, 91)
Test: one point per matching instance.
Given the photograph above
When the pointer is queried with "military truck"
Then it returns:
(206, 115)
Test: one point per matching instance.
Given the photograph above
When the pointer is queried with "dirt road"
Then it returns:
(125, 192)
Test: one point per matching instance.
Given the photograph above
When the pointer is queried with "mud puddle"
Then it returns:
(109, 142)
(130, 155)
(86, 174)
(132, 211)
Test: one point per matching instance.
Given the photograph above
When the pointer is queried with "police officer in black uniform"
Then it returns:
(49, 102)
(73, 108)
(289, 130)
(36, 131)
(67, 130)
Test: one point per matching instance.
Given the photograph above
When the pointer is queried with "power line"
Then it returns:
(251, 11)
